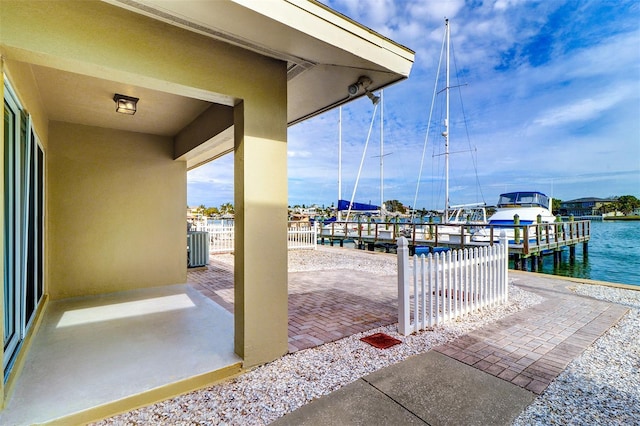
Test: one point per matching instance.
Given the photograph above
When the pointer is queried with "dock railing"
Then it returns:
(445, 286)
(536, 238)
(541, 236)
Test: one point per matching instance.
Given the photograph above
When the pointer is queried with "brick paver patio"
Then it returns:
(529, 348)
(323, 305)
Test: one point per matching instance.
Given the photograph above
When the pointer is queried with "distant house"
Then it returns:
(193, 213)
(211, 78)
(589, 206)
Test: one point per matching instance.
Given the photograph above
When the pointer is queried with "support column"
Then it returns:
(260, 173)
(517, 262)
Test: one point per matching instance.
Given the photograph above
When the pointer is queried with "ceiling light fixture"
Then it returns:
(125, 104)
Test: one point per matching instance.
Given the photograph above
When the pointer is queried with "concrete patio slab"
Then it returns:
(127, 347)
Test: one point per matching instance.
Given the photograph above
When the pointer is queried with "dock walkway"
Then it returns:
(543, 239)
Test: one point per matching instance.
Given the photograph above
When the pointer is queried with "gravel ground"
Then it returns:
(326, 258)
(600, 387)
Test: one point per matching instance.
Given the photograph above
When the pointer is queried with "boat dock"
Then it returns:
(545, 239)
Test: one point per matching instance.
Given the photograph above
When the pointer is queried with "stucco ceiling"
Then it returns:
(77, 98)
(325, 52)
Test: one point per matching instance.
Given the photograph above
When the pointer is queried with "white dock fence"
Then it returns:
(221, 236)
(448, 285)
(302, 237)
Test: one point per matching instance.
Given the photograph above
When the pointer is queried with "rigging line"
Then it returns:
(456, 152)
(426, 138)
(474, 159)
(355, 187)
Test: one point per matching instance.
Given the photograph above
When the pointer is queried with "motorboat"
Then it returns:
(525, 206)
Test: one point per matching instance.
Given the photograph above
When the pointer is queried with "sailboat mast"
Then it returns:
(446, 133)
(381, 148)
(339, 161)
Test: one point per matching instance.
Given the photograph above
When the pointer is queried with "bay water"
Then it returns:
(613, 255)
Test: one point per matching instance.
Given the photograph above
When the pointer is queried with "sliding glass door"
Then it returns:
(23, 225)
(11, 226)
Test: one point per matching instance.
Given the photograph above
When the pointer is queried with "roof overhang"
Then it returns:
(324, 50)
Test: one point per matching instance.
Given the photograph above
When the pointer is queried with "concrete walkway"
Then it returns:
(485, 377)
(430, 388)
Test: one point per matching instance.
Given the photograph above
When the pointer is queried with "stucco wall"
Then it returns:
(117, 215)
(116, 201)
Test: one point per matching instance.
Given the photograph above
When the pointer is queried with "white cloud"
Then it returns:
(299, 154)
(583, 109)
(435, 11)
(502, 5)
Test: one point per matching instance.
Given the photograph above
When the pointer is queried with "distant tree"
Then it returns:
(200, 210)
(627, 203)
(606, 208)
(211, 211)
(422, 212)
(555, 208)
(227, 208)
(395, 206)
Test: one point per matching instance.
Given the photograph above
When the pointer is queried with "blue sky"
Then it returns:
(550, 92)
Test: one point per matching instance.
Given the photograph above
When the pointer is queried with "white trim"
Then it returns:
(12, 301)
(23, 164)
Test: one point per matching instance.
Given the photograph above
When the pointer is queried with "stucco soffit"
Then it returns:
(300, 32)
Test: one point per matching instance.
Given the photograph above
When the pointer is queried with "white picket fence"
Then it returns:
(448, 285)
(302, 237)
(221, 237)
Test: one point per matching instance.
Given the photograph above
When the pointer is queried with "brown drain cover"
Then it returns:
(381, 340)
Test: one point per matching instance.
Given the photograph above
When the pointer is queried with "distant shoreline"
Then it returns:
(621, 218)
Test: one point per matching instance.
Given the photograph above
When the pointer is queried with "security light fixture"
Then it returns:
(363, 83)
(125, 104)
(353, 89)
(375, 99)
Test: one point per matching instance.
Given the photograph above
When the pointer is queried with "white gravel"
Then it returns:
(602, 386)
(326, 258)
